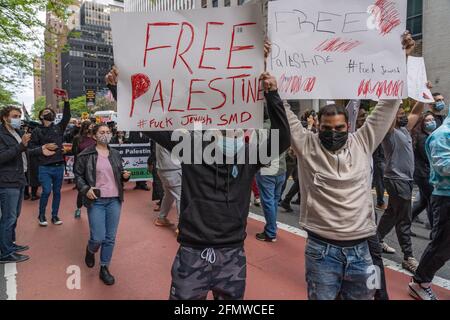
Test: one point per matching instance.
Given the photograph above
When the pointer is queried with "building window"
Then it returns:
(241, 2)
(414, 20)
(215, 3)
(227, 3)
(90, 64)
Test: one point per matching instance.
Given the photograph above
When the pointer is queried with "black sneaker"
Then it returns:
(105, 276)
(19, 248)
(56, 221)
(14, 257)
(89, 259)
(263, 237)
(297, 202)
(43, 222)
(286, 206)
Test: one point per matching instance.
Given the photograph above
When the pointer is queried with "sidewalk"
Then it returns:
(144, 255)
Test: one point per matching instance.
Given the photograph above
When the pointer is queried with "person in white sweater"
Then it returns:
(336, 206)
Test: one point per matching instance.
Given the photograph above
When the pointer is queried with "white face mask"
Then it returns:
(229, 146)
(15, 123)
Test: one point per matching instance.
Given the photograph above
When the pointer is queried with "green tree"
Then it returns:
(77, 106)
(104, 104)
(19, 32)
(6, 97)
(38, 105)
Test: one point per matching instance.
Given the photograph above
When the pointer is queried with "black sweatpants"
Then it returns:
(437, 252)
(398, 214)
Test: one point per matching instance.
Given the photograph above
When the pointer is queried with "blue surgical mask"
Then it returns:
(439, 106)
(430, 126)
(16, 123)
(229, 146)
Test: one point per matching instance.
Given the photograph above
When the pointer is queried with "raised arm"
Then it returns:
(414, 115)
(66, 112)
(377, 124)
(277, 116)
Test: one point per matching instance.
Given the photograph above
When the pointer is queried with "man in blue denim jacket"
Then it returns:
(437, 253)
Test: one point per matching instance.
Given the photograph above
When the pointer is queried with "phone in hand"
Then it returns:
(97, 192)
(59, 92)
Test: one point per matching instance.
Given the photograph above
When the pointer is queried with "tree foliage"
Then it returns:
(20, 34)
(38, 105)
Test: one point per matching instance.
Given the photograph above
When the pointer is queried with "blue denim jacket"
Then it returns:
(438, 151)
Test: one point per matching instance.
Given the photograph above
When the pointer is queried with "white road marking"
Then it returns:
(10, 276)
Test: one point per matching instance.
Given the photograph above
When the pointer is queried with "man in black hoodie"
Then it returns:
(51, 169)
(215, 202)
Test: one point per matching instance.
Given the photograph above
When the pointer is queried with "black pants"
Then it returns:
(378, 173)
(290, 171)
(375, 251)
(79, 200)
(425, 191)
(295, 188)
(33, 191)
(398, 214)
(438, 251)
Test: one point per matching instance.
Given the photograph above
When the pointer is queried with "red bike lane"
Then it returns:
(144, 254)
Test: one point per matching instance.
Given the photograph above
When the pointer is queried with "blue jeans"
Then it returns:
(270, 193)
(10, 204)
(104, 216)
(50, 178)
(339, 273)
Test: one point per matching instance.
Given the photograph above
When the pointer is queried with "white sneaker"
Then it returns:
(410, 264)
(43, 223)
(421, 293)
(387, 249)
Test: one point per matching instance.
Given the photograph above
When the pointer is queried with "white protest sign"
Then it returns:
(338, 49)
(181, 67)
(417, 80)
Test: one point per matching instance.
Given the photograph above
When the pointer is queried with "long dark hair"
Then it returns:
(84, 129)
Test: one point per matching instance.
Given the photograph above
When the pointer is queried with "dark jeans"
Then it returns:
(437, 253)
(51, 179)
(398, 214)
(270, 193)
(378, 174)
(10, 205)
(425, 191)
(375, 251)
(334, 272)
(104, 216)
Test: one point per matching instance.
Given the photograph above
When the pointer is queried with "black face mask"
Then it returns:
(333, 140)
(403, 121)
(49, 117)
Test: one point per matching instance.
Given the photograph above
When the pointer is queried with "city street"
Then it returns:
(144, 254)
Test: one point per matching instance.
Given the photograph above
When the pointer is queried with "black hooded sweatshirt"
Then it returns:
(215, 199)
